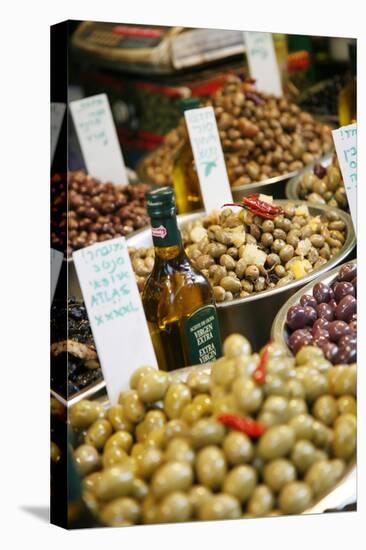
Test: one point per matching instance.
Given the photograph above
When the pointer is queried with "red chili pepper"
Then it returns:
(258, 207)
(259, 374)
(242, 424)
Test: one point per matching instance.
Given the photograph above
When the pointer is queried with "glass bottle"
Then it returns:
(347, 104)
(185, 179)
(178, 300)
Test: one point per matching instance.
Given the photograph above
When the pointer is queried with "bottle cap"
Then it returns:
(160, 202)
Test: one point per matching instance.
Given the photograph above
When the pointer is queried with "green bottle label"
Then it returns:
(203, 336)
(165, 232)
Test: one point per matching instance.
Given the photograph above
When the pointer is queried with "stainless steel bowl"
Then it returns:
(252, 315)
(292, 185)
(279, 332)
(343, 494)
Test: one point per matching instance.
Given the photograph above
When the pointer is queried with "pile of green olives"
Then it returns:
(162, 454)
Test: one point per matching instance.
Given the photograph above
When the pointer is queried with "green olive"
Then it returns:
(176, 398)
(138, 375)
(121, 511)
(89, 482)
(113, 455)
(191, 413)
(322, 435)
(223, 372)
(133, 407)
(345, 440)
(296, 406)
(307, 354)
(178, 449)
(276, 442)
(148, 461)
(323, 475)
(153, 386)
(347, 404)
(240, 482)
(246, 365)
(247, 394)
(295, 389)
(170, 477)
(153, 420)
(276, 405)
(139, 489)
(149, 510)
(261, 502)
(84, 413)
(174, 428)
(236, 345)
(302, 424)
(220, 506)
(295, 497)
(211, 467)
(174, 507)
(304, 454)
(55, 453)
(238, 448)
(315, 384)
(114, 482)
(268, 419)
(204, 402)
(156, 437)
(198, 382)
(198, 494)
(121, 439)
(274, 385)
(118, 420)
(278, 473)
(342, 380)
(207, 431)
(98, 433)
(224, 404)
(325, 409)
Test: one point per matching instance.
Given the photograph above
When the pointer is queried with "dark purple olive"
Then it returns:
(337, 329)
(298, 339)
(322, 292)
(354, 283)
(353, 326)
(330, 350)
(310, 315)
(333, 304)
(348, 340)
(325, 311)
(347, 272)
(319, 171)
(320, 332)
(308, 300)
(346, 308)
(321, 324)
(345, 355)
(296, 317)
(321, 341)
(343, 289)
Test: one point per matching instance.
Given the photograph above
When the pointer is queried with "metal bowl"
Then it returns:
(254, 314)
(292, 185)
(279, 332)
(343, 494)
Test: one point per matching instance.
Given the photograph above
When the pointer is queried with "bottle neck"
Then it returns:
(167, 239)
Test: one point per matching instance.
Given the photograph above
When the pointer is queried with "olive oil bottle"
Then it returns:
(184, 175)
(178, 300)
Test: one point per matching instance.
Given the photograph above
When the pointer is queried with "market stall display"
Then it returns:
(262, 136)
(323, 314)
(320, 184)
(255, 435)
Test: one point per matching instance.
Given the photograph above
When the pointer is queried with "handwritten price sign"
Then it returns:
(98, 138)
(115, 312)
(208, 156)
(262, 62)
(345, 141)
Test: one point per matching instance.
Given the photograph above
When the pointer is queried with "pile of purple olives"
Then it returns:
(328, 318)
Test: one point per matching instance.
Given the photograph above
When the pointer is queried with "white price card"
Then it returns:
(57, 116)
(345, 141)
(115, 312)
(56, 263)
(262, 62)
(209, 158)
(98, 138)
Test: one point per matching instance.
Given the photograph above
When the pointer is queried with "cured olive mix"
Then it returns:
(178, 300)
